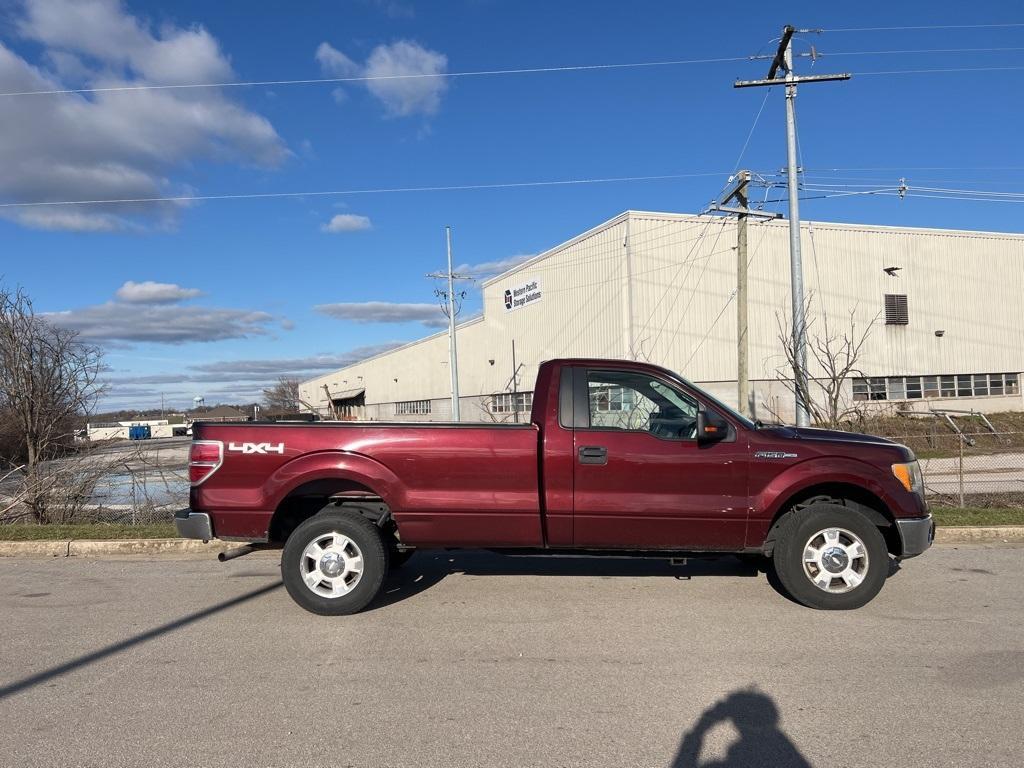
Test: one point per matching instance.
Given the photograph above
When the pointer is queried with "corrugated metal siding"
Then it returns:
(661, 287)
(684, 272)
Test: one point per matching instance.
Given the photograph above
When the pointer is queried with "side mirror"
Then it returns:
(710, 427)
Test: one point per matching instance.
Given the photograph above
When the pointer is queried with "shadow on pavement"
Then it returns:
(761, 741)
(425, 569)
(114, 648)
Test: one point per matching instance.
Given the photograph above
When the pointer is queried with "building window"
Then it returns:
(509, 402)
(611, 398)
(896, 309)
(412, 407)
(916, 387)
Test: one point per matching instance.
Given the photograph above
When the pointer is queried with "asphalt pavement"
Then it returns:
(474, 659)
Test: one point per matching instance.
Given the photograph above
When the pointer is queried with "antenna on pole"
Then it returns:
(783, 60)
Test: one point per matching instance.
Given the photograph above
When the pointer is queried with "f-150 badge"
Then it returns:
(250, 448)
(774, 455)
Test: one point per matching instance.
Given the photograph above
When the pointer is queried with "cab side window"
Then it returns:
(637, 402)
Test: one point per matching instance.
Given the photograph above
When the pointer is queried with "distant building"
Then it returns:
(222, 413)
(660, 287)
(122, 430)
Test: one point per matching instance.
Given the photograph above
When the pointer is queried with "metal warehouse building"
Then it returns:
(943, 305)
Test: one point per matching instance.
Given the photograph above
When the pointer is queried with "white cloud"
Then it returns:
(409, 75)
(488, 269)
(150, 292)
(429, 315)
(416, 86)
(346, 222)
(148, 312)
(238, 379)
(336, 63)
(115, 145)
(162, 324)
(395, 10)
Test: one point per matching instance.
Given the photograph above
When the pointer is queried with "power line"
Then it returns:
(381, 190)
(372, 78)
(939, 71)
(824, 54)
(923, 168)
(926, 26)
(753, 127)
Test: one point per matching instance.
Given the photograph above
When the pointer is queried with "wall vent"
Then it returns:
(896, 309)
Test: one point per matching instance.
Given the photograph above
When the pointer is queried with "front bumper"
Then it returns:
(193, 525)
(916, 535)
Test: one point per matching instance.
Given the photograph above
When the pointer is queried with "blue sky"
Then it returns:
(241, 280)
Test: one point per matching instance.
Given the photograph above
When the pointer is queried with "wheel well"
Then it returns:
(308, 499)
(853, 496)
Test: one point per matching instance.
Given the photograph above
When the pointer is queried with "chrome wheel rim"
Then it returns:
(331, 565)
(835, 560)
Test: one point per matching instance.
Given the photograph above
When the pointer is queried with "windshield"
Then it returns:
(719, 405)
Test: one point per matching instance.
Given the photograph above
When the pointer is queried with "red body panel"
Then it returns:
(655, 493)
(485, 485)
(454, 485)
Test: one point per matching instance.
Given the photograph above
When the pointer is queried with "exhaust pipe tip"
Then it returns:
(231, 554)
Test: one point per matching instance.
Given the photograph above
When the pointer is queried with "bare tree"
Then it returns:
(836, 354)
(49, 379)
(283, 397)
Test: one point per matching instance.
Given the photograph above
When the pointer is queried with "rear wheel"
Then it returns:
(334, 563)
(830, 557)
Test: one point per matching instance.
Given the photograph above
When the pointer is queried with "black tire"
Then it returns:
(367, 543)
(800, 528)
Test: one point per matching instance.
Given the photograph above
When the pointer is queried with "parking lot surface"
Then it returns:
(474, 659)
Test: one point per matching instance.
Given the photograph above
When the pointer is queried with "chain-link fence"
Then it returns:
(971, 469)
(127, 483)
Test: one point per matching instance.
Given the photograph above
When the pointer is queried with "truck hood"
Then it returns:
(835, 436)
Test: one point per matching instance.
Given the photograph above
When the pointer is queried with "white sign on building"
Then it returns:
(519, 296)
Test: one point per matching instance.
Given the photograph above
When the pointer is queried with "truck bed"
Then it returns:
(446, 483)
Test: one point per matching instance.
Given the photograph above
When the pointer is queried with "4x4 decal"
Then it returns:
(262, 448)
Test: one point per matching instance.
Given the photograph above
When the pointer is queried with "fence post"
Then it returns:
(961, 444)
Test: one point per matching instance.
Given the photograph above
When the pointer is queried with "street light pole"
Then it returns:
(453, 351)
(796, 269)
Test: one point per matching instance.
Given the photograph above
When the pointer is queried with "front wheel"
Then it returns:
(334, 563)
(830, 557)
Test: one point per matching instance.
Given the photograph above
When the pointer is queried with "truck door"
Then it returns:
(641, 479)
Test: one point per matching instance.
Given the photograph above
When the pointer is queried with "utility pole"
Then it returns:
(739, 191)
(783, 60)
(453, 352)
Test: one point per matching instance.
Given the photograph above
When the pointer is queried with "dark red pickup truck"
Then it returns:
(618, 457)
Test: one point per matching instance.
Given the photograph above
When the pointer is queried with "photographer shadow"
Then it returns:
(761, 741)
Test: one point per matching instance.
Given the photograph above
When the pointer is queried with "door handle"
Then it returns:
(593, 454)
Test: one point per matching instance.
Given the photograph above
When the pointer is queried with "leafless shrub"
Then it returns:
(282, 397)
(835, 356)
(49, 379)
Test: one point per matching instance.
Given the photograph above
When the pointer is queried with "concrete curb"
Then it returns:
(155, 547)
(99, 548)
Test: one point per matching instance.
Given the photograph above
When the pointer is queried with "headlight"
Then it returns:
(909, 475)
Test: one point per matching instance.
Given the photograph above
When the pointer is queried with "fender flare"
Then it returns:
(334, 465)
(820, 471)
